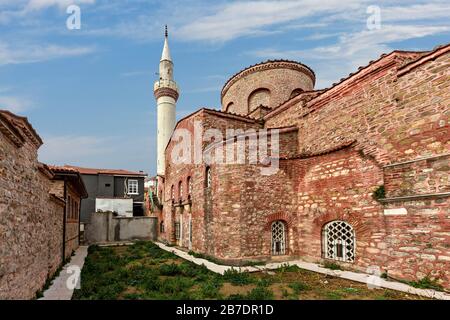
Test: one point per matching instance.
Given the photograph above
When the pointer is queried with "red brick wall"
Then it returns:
(394, 113)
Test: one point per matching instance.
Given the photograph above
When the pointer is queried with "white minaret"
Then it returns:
(166, 94)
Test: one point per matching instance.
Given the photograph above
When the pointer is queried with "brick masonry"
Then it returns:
(386, 125)
(31, 218)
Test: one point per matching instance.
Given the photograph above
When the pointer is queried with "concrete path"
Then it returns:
(371, 280)
(59, 289)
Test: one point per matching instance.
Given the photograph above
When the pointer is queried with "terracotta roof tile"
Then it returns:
(95, 171)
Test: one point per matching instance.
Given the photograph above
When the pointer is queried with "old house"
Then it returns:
(361, 170)
(68, 185)
(119, 191)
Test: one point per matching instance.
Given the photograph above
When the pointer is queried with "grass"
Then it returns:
(426, 283)
(332, 265)
(144, 271)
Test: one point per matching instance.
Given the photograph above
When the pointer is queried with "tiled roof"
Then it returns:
(59, 169)
(22, 125)
(65, 170)
(94, 171)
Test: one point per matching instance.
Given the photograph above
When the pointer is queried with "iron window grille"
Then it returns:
(177, 231)
(339, 241)
(278, 238)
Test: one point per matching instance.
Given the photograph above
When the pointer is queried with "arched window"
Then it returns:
(190, 187)
(180, 190)
(258, 97)
(229, 107)
(339, 241)
(161, 227)
(208, 179)
(172, 193)
(296, 92)
(278, 238)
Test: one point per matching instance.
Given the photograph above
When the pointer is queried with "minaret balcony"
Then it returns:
(166, 88)
(162, 83)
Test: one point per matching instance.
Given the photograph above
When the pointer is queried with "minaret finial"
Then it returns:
(167, 32)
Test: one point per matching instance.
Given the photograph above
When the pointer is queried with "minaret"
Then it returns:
(166, 94)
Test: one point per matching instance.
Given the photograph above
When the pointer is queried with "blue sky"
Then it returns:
(88, 92)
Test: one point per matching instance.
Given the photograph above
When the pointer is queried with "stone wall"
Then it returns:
(30, 219)
(105, 227)
(387, 125)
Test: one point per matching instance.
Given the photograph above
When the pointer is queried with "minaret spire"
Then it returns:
(166, 93)
(166, 51)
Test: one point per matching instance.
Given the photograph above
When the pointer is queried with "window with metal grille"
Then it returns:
(339, 241)
(161, 227)
(177, 230)
(278, 238)
(208, 177)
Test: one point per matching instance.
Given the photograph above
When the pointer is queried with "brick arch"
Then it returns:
(362, 231)
(288, 219)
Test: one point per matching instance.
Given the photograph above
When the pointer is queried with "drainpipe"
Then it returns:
(64, 221)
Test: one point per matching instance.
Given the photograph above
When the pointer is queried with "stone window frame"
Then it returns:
(342, 247)
(133, 187)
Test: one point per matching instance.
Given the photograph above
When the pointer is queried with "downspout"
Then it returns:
(64, 221)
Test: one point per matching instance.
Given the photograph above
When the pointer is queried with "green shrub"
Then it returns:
(288, 268)
(332, 265)
(260, 293)
(237, 278)
(426, 283)
(298, 287)
(333, 295)
(169, 269)
(211, 289)
(379, 193)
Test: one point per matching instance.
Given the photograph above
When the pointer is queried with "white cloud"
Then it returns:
(62, 4)
(29, 53)
(238, 19)
(14, 104)
(352, 50)
(70, 149)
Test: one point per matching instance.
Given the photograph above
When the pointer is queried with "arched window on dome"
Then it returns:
(258, 97)
(296, 92)
(230, 107)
